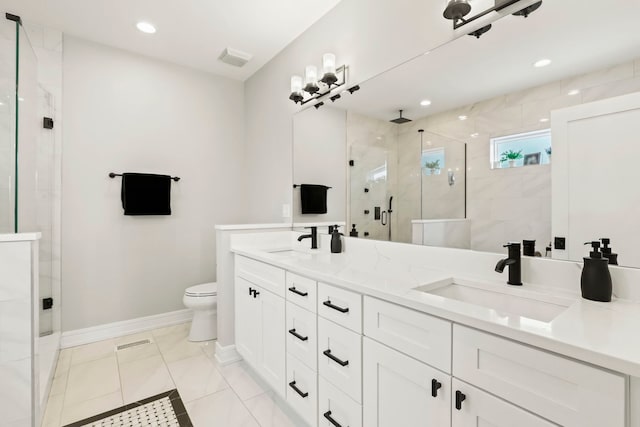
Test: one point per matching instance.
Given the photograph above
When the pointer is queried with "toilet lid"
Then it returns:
(204, 290)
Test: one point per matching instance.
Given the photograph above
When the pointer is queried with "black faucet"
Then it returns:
(313, 235)
(515, 270)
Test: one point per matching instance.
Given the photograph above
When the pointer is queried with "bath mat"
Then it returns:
(165, 409)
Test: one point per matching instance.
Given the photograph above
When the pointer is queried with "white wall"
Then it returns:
(125, 112)
(370, 36)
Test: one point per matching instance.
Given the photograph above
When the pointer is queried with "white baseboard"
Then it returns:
(227, 354)
(126, 327)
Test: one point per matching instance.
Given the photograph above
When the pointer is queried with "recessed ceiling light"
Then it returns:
(462, 117)
(544, 120)
(542, 63)
(573, 92)
(425, 102)
(475, 135)
(146, 27)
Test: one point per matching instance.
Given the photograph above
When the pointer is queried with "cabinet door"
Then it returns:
(302, 336)
(247, 317)
(478, 408)
(272, 339)
(399, 390)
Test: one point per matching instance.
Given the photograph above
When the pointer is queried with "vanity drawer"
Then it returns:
(419, 335)
(561, 390)
(267, 276)
(337, 406)
(341, 306)
(302, 390)
(301, 291)
(340, 357)
(302, 338)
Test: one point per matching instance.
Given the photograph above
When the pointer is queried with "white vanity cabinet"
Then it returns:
(401, 391)
(343, 359)
(260, 320)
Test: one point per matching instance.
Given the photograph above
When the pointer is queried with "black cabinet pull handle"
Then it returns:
(460, 397)
(251, 291)
(327, 415)
(255, 293)
(297, 335)
(435, 386)
(335, 307)
(292, 384)
(335, 359)
(295, 291)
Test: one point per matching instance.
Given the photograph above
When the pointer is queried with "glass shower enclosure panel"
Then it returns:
(7, 126)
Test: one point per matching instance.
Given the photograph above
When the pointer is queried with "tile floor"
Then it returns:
(94, 378)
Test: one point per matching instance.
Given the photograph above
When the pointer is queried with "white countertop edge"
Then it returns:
(318, 224)
(20, 237)
(429, 221)
(225, 227)
(588, 355)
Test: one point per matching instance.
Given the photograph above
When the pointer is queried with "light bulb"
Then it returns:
(296, 89)
(311, 79)
(329, 63)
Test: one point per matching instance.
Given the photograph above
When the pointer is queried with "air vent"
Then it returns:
(132, 344)
(235, 57)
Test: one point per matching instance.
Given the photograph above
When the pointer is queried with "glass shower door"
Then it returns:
(7, 126)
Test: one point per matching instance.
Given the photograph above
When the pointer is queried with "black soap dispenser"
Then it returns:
(336, 241)
(596, 279)
(354, 232)
(607, 253)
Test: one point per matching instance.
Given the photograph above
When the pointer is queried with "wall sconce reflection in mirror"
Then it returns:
(457, 10)
(451, 178)
(311, 87)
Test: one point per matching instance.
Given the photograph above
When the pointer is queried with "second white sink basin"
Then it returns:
(511, 300)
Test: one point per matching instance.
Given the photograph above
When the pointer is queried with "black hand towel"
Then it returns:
(313, 199)
(146, 194)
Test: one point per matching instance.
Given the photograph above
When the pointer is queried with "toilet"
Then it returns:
(203, 300)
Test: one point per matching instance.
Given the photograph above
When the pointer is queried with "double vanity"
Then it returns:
(347, 341)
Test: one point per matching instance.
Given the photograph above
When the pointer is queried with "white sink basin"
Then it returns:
(508, 300)
(290, 253)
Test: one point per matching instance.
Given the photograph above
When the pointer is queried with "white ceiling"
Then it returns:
(189, 32)
(578, 36)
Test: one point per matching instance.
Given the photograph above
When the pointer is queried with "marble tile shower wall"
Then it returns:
(47, 45)
(371, 144)
(515, 204)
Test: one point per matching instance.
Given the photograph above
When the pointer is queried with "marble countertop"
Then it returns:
(602, 334)
(19, 237)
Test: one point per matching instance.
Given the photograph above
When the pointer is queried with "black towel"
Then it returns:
(146, 194)
(313, 199)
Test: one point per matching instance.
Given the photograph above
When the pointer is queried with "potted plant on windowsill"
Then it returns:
(433, 166)
(511, 157)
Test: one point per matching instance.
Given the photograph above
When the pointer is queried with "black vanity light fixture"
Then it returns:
(457, 10)
(311, 87)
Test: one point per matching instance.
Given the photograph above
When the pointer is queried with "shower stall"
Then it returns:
(29, 165)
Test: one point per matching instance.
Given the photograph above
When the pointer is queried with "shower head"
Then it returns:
(457, 9)
(400, 120)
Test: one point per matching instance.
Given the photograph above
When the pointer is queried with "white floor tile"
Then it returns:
(53, 412)
(144, 378)
(182, 329)
(241, 381)
(64, 362)
(89, 408)
(267, 412)
(221, 409)
(138, 352)
(93, 351)
(196, 377)
(175, 346)
(91, 380)
(59, 385)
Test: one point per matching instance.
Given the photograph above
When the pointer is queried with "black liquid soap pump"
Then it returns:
(596, 279)
(336, 241)
(606, 251)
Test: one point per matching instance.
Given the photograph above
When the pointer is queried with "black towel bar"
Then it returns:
(113, 175)
(298, 185)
